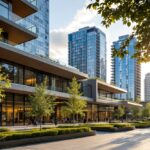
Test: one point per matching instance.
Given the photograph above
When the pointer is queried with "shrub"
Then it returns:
(112, 127)
(36, 133)
(122, 125)
(4, 130)
(63, 131)
(103, 128)
(142, 124)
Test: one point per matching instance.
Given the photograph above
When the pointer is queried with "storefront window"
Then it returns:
(28, 119)
(18, 110)
(10, 112)
(4, 112)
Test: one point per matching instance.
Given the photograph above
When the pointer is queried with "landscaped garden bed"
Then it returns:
(142, 124)
(113, 127)
(18, 138)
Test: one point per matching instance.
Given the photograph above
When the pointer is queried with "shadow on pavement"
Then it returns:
(125, 143)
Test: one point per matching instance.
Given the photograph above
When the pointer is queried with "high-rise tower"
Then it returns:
(147, 87)
(126, 72)
(87, 51)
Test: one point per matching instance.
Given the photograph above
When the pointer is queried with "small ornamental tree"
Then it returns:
(75, 104)
(146, 110)
(120, 112)
(136, 112)
(4, 84)
(41, 103)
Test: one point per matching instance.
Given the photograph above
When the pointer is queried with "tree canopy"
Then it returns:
(75, 105)
(4, 83)
(135, 13)
(41, 103)
(146, 110)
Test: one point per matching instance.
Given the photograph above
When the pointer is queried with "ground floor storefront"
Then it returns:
(15, 110)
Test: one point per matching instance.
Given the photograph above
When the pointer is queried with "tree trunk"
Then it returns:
(40, 123)
(78, 118)
(73, 118)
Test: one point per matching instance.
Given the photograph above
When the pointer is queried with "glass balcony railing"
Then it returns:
(107, 98)
(33, 2)
(24, 22)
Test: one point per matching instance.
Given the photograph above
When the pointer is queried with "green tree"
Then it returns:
(4, 84)
(75, 104)
(146, 110)
(131, 12)
(136, 112)
(138, 100)
(119, 113)
(42, 104)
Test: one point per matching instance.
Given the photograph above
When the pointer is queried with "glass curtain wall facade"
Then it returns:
(87, 51)
(126, 72)
(15, 108)
(27, 76)
(40, 46)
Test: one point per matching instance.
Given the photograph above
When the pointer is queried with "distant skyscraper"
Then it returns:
(147, 87)
(126, 72)
(87, 51)
(40, 19)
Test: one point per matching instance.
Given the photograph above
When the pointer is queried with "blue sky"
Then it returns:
(67, 16)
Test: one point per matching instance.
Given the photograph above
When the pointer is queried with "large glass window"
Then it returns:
(4, 112)
(18, 74)
(58, 84)
(8, 69)
(30, 78)
(22, 75)
(10, 112)
(18, 110)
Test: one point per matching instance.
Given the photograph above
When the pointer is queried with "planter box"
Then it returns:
(36, 140)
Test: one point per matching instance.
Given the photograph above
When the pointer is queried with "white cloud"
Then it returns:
(59, 37)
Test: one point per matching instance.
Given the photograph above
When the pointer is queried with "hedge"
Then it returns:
(4, 130)
(6, 136)
(142, 124)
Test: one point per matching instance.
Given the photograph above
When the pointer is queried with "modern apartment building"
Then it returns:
(87, 51)
(39, 46)
(126, 72)
(26, 69)
(147, 87)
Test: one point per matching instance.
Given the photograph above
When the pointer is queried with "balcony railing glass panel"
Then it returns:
(33, 2)
(24, 22)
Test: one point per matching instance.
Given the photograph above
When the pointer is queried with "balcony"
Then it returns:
(24, 8)
(107, 100)
(19, 30)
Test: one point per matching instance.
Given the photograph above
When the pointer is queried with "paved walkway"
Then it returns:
(132, 140)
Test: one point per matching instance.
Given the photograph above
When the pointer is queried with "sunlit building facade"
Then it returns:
(126, 72)
(25, 70)
(87, 51)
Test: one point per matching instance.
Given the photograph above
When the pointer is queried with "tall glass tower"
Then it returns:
(147, 87)
(40, 46)
(126, 72)
(87, 51)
